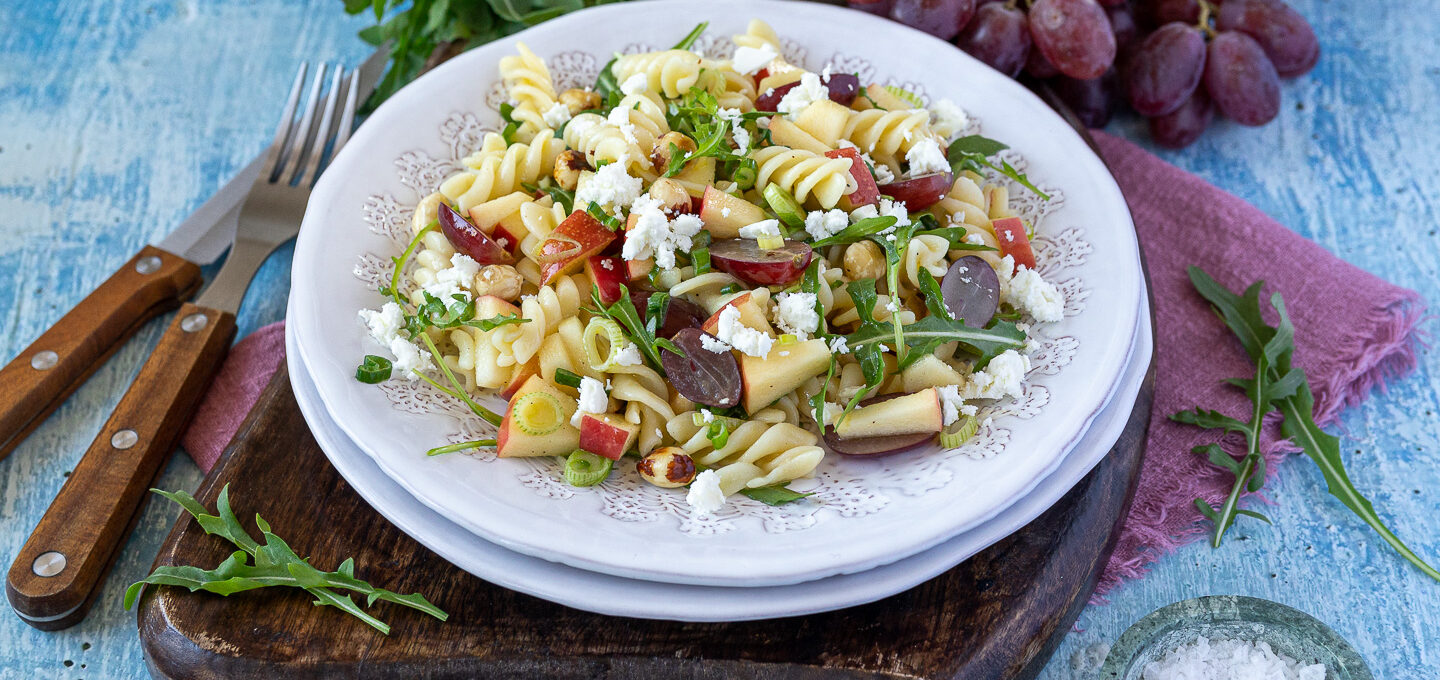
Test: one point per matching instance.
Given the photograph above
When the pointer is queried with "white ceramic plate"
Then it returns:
(865, 512)
(600, 593)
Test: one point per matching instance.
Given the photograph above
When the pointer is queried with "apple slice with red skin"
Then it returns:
(750, 315)
(607, 434)
(609, 274)
(1010, 234)
(876, 446)
(578, 237)
(744, 259)
(507, 240)
(866, 192)
(919, 193)
(468, 239)
(724, 214)
(520, 377)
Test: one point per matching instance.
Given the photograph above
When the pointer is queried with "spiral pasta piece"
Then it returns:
(528, 83)
(645, 113)
(805, 174)
(600, 140)
(964, 204)
(706, 290)
(432, 256)
(647, 404)
(495, 173)
(670, 72)
(737, 90)
(926, 251)
(885, 135)
(546, 309)
(756, 453)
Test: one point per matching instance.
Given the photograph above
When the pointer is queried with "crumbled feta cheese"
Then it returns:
(1005, 272)
(947, 119)
(705, 495)
(749, 60)
(461, 272)
(706, 416)
(384, 324)
(713, 344)
(556, 115)
(975, 239)
(895, 209)
(832, 412)
(592, 399)
(893, 305)
(741, 137)
(620, 118)
(761, 229)
(1028, 291)
(730, 114)
(838, 345)
(883, 174)
(408, 358)
(635, 84)
(825, 73)
(800, 97)
(1002, 377)
(950, 402)
(824, 224)
(926, 158)
(629, 355)
(610, 186)
(747, 340)
(795, 314)
(725, 212)
(653, 234)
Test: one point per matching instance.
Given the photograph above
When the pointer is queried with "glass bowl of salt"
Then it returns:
(1231, 637)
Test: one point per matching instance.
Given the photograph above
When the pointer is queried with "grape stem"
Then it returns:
(1207, 10)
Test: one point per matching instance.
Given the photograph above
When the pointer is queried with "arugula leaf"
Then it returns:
(774, 495)
(610, 221)
(566, 199)
(399, 261)
(460, 312)
(623, 312)
(973, 152)
(274, 564)
(858, 231)
(1287, 388)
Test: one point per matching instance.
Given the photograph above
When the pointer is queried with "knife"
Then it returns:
(56, 575)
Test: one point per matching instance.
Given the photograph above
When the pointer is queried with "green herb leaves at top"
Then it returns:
(1278, 386)
(974, 152)
(271, 563)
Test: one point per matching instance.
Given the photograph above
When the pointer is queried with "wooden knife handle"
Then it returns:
(38, 380)
(57, 573)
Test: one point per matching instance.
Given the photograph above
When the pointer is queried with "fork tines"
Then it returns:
(302, 148)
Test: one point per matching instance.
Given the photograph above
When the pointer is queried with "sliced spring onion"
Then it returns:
(910, 97)
(959, 432)
(583, 468)
(373, 370)
(770, 242)
(602, 341)
(451, 448)
(745, 173)
(537, 413)
(567, 378)
(700, 257)
(785, 206)
(788, 339)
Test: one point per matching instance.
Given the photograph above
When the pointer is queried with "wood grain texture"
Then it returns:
(107, 141)
(100, 502)
(998, 615)
(87, 335)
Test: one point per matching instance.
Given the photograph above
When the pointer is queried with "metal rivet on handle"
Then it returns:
(48, 564)
(124, 439)
(148, 264)
(194, 322)
(43, 361)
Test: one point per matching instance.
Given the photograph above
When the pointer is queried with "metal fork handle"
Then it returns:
(60, 360)
(55, 577)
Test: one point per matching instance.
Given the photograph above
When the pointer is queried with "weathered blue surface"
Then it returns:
(118, 118)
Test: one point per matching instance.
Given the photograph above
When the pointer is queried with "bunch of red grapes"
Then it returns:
(1176, 62)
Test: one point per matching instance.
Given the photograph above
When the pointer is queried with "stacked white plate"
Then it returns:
(873, 527)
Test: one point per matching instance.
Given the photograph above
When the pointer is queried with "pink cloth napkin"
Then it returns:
(1353, 332)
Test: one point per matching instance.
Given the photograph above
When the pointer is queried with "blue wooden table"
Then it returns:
(119, 118)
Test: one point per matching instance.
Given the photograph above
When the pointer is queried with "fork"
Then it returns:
(55, 577)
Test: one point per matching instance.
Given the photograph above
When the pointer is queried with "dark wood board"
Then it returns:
(998, 615)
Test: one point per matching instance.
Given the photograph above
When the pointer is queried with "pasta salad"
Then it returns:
(726, 269)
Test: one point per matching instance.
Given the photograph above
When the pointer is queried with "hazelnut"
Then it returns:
(568, 166)
(667, 467)
(671, 194)
(660, 155)
(579, 100)
(500, 280)
(864, 260)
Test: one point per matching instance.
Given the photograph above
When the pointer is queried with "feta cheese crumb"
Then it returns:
(1002, 377)
(384, 324)
(408, 358)
(883, 174)
(610, 186)
(950, 402)
(749, 60)
(556, 115)
(895, 209)
(748, 340)
(838, 345)
(635, 84)
(761, 229)
(725, 212)
(800, 97)
(705, 495)
(975, 239)
(926, 158)
(655, 235)
(741, 137)
(795, 314)
(1027, 290)
(948, 119)
(620, 118)
(824, 224)
(592, 399)
(706, 416)
(713, 344)
(629, 355)
(831, 412)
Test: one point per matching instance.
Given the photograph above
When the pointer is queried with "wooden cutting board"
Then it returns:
(998, 615)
